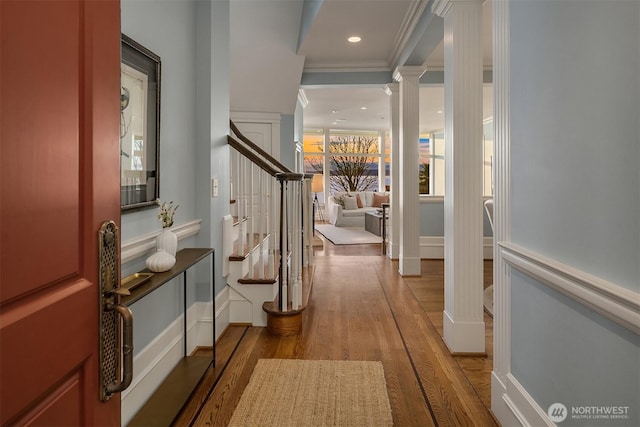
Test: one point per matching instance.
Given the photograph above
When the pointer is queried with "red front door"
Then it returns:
(59, 180)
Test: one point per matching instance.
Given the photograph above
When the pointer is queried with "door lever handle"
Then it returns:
(123, 292)
(127, 348)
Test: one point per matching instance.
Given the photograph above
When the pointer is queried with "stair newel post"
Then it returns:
(287, 232)
(290, 230)
(282, 298)
(300, 239)
(276, 210)
(295, 242)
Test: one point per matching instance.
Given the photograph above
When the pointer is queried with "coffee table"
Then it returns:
(373, 223)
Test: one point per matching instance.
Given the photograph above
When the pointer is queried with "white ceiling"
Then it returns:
(268, 59)
(382, 24)
(347, 103)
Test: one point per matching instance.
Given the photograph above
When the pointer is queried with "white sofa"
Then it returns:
(341, 212)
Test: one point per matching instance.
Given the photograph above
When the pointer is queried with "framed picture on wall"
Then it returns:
(139, 126)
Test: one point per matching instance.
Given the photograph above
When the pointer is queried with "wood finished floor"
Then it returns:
(362, 309)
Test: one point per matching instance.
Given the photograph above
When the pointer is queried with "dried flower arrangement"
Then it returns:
(167, 211)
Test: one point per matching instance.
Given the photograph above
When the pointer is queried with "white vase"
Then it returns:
(167, 241)
(160, 261)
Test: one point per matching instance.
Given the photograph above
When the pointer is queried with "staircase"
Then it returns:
(267, 239)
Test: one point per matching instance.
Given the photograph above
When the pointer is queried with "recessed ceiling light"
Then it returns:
(439, 112)
(354, 39)
(363, 108)
(334, 111)
(341, 120)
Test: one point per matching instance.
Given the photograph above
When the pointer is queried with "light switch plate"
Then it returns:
(214, 187)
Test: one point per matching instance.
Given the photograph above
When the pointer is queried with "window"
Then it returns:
(487, 150)
(431, 170)
(352, 158)
(431, 167)
(355, 161)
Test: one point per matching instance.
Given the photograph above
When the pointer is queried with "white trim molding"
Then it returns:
(255, 117)
(524, 409)
(142, 245)
(302, 98)
(614, 302)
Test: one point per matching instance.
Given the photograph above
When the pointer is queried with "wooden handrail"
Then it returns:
(256, 148)
(290, 176)
(238, 146)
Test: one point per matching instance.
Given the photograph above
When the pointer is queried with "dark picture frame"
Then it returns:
(139, 126)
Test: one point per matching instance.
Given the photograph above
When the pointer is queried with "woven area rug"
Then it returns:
(347, 235)
(290, 392)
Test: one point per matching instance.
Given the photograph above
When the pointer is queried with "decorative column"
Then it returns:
(501, 209)
(392, 89)
(408, 78)
(463, 314)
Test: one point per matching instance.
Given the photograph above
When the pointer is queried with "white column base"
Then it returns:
(393, 250)
(409, 266)
(463, 337)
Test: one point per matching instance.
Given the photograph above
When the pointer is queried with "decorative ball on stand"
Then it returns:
(160, 261)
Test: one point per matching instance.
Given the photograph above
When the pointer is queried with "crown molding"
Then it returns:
(347, 67)
(408, 70)
(442, 7)
(302, 98)
(408, 26)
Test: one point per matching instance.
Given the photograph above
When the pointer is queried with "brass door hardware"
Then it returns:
(116, 352)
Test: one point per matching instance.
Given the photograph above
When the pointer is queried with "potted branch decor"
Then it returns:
(166, 242)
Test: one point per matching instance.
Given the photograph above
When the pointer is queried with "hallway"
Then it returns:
(360, 309)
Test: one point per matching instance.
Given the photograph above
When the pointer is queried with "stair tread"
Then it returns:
(260, 274)
(239, 254)
(271, 307)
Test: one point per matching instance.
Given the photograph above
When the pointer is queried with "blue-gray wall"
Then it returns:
(287, 141)
(171, 29)
(575, 195)
(166, 28)
(432, 218)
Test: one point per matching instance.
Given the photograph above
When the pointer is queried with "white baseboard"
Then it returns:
(432, 247)
(501, 406)
(513, 406)
(153, 363)
(523, 407)
(223, 312)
